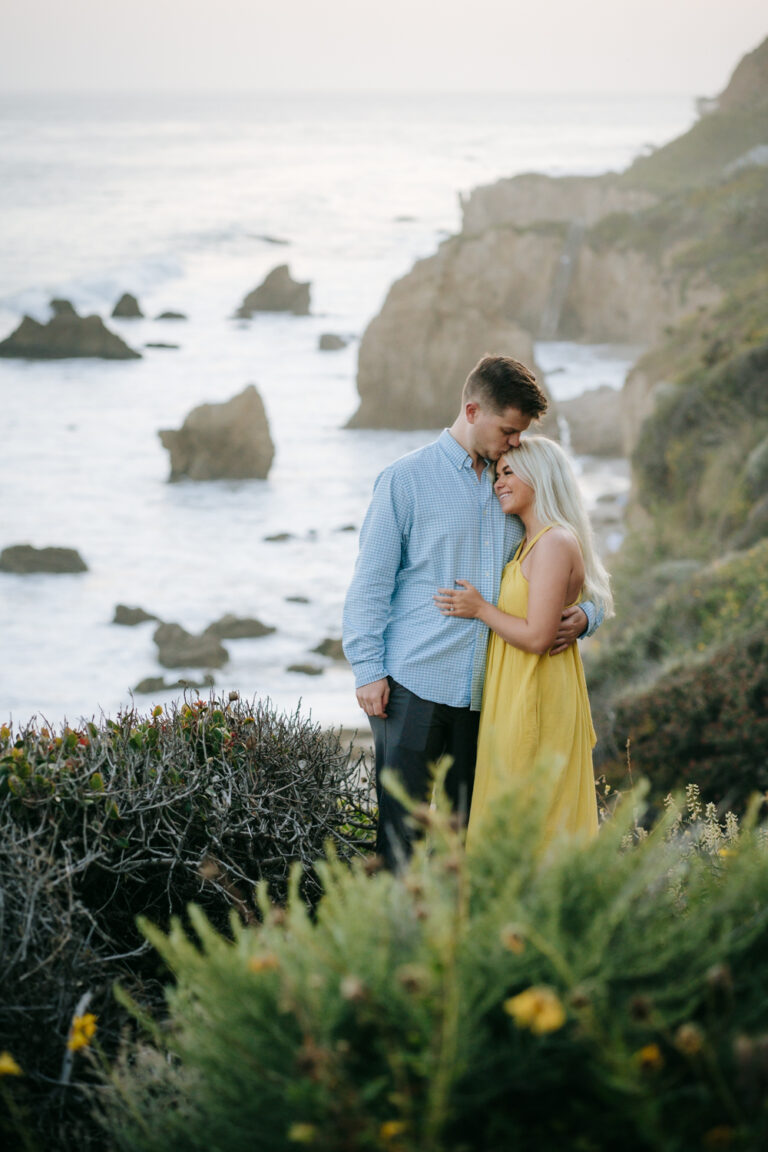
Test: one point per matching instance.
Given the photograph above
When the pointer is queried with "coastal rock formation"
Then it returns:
(232, 627)
(488, 292)
(130, 617)
(65, 336)
(127, 308)
(228, 441)
(595, 422)
(159, 684)
(60, 307)
(642, 389)
(278, 292)
(435, 325)
(23, 559)
(332, 647)
(330, 342)
(305, 669)
(526, 200)
(178, 648)
(171, 316)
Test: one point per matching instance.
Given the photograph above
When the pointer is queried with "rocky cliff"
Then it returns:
(614, 258)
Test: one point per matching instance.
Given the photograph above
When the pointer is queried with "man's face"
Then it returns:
(494, 433)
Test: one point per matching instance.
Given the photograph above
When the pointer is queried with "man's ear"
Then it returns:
(470, 411)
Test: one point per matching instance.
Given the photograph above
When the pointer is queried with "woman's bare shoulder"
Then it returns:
(558, 541)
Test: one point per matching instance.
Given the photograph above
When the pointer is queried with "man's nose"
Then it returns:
(514, 440)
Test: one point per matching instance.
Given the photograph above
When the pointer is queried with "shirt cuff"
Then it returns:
(588, 609)
(367, 673)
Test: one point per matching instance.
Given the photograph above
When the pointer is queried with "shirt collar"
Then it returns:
(457, 455)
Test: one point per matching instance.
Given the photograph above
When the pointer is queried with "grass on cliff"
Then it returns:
(720, 229)
(699, 156)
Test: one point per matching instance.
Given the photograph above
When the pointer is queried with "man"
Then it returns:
(434, 519)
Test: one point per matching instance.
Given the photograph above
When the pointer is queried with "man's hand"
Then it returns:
(573, 623)
(374, 697)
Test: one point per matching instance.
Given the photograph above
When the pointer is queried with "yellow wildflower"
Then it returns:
(725, 852)
(538, 1008)
(5, 732)
(302, 1133)
(157, 710)
(391, 1129)
(82, 1032)
(267, 962)
(689, 1039)
(512, 938)
(8, 1066)
(649, 1057)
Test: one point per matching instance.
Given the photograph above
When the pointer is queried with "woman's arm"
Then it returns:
(551, 567)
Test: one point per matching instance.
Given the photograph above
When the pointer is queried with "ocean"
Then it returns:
(187, 202)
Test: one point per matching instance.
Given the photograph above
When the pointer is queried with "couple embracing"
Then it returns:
(476, 575)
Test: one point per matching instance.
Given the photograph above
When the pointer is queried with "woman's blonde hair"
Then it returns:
(544, 465)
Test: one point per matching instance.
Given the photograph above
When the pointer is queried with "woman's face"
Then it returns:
(514, 495)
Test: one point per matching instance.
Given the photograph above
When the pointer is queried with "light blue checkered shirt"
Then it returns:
(431, 521)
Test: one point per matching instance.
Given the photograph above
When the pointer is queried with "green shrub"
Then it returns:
(585, 997)
(707, 723)
(141, 815)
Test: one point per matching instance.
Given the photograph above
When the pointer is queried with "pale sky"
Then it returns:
(395, 45)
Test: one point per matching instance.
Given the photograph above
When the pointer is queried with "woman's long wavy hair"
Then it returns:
(543, 464)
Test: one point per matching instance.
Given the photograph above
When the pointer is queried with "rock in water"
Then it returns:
(330, 342)
(61, 307)
(332, 647)
(178, 648)
(159, 684)
(171, 316)
(232, 627)
(127, 308)
(65, 336)
(229, 441)
(279, 292)
(23, 559)
(130, 617)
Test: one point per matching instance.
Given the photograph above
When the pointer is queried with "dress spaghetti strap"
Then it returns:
(526, 550)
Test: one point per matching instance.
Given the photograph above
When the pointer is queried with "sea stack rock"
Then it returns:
(279, 292)
(228, 441)
(127, 308)
(417, 353)
(130, 617)
(23, 559)
(330, 342)
(65, 336)
(178, 648)
(231, 627)
(60, 307)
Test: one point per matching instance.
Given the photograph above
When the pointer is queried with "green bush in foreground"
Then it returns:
(141, 815)
(585, 997)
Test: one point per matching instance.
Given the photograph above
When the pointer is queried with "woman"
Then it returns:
(535, 716)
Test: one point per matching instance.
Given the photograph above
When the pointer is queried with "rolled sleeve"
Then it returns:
(594, 614)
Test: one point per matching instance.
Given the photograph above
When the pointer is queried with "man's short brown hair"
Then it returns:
(499, 382)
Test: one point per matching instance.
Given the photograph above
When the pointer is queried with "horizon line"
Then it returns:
(345, 92)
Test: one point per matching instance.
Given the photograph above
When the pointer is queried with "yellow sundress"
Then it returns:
(535, 725)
